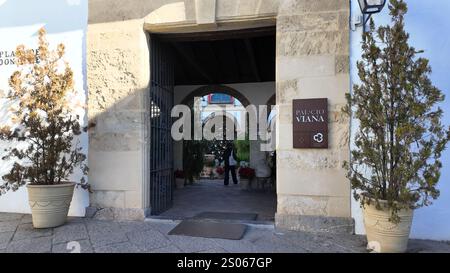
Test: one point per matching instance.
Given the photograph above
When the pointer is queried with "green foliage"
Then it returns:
(400, 138)
(242, 149)
(193, 158)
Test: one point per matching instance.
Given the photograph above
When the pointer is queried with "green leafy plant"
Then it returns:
(41, 120)
(242, 149)
(400, 136)
(193, 158)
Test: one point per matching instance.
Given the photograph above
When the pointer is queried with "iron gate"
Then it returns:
(161, 151)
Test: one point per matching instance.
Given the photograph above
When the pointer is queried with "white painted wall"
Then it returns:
(66, 22)
(428, 24)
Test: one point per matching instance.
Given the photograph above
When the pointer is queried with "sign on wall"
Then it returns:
(310, 118)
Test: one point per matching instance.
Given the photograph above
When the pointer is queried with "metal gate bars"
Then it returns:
(161, 150)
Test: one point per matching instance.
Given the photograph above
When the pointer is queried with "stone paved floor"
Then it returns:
(17, 235)
(212, 195)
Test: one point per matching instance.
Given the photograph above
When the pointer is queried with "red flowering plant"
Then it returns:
(179, 174)
(220, 170)
(246, 173)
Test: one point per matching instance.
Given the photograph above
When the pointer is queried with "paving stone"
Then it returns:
(9, 225)
(125, 247)
(72, 219)
(268, 241)
(5, 237)
(36, 245)
(191, 244)
(85, 247)
(133, 226)
(27, 231)
(167, 249)
(10, 216)
(18, 235)
(70, 232)
(105, 232)
(235, 246)
(148, 240)
(164, 228)
(427, 246)
(214, 250)
(27, 218)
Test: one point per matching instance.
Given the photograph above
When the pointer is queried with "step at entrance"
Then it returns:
(226, 216)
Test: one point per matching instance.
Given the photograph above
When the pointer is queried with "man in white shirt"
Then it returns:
(230, 159)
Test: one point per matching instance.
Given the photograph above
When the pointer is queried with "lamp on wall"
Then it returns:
(369, 7)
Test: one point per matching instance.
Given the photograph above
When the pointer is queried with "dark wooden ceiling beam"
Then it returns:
(214, 61)
(236, 64)
(251, 54)
(217, 35)
(190, 58)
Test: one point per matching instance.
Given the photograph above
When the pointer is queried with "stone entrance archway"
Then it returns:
(312, 61)
(248, 94)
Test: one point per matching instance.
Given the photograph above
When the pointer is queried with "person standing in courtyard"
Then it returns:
(230, 159)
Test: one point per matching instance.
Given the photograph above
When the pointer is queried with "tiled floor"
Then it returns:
(212, 195)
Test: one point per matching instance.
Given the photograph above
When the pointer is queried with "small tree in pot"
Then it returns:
(42, 101)
(395, 166)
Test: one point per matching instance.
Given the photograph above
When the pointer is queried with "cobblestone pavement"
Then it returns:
(18, 235)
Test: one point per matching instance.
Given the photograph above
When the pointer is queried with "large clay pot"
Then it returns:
(384, 236)
(50, 204)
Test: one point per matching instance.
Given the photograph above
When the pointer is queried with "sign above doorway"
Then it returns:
(310, 118)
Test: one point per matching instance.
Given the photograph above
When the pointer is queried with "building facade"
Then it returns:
(119, 59)
(312, 60)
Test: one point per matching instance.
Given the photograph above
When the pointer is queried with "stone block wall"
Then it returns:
(312, 62)
(118, 76)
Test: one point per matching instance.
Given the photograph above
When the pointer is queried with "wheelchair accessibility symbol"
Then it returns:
(318, 137)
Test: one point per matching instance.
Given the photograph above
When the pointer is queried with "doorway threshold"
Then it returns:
(176, 220)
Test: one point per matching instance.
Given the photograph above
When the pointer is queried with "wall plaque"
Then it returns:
(310, 128)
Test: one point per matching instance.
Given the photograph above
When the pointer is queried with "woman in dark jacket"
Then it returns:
(230, 159)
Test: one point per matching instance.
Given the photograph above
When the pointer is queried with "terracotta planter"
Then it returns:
(384, 236)
(50, 204)
(179, 183)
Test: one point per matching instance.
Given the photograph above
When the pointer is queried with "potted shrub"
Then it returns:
(193, 159)
(394, 166)
(42, 131)
(246, 174)
(179, 179)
